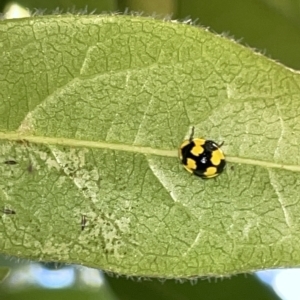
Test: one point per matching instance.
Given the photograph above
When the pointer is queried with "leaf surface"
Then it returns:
(93, 109)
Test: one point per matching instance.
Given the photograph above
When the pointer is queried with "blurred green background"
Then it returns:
(270, 26)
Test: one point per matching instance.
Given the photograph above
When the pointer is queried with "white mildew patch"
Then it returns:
(33, 162)
(49, 161)
(9, 151)
(52, 163)
(108, 232)
(103, 228)
(123, 223)
(73, 164)
(44, 156)
(52, 248)
(279, 192)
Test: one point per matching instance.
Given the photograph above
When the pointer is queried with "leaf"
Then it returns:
(160, 8)
(255, 22)
(225, 289)
(93, 110)
(4, 271)
(69, 5)
(288, 8)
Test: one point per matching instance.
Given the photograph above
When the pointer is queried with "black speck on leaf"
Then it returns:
(10, 162)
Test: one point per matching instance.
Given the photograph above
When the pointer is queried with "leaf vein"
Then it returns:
(13, 136)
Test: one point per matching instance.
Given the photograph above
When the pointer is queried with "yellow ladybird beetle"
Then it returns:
(201, 157)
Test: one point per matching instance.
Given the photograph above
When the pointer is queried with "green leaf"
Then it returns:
(93, 110)
(253, 21)
(288, 8)
(4, 271)
(160, 8)
(225, 289)
(69, 5)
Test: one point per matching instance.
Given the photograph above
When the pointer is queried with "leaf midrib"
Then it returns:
(135, 149)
